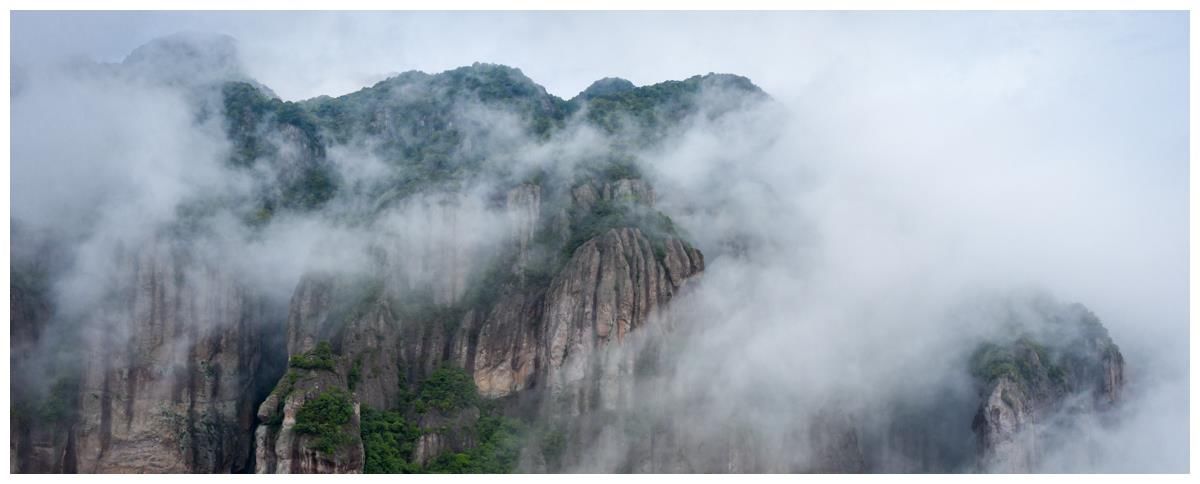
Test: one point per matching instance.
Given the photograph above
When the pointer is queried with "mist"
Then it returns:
(916, 177)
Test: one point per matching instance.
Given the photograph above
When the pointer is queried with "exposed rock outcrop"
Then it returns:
(612, 286)
(557, 342)
(546, 301)
(629, 191)
(443, 432)
(281, 449)
(163, 377)
(168, 381)
(1035, 387)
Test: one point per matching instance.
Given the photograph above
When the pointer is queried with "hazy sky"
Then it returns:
(304, 54)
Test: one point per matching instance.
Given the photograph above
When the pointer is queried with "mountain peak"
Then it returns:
(607, 86)
(188, 57)
(734, 81)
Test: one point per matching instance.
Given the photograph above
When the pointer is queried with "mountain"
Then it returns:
(465, 309)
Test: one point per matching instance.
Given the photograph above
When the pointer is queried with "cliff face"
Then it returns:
(1056, 377)
(558, 342)
(1032, 389)
(167, 375)
(40, 435)
(518, 329)
(175, 391)
(281, 447)
(612, 286)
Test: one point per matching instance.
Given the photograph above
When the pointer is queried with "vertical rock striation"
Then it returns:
(171, 389)
(560, 343)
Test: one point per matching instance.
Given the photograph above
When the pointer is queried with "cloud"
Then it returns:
(907, 179)
(914, 163)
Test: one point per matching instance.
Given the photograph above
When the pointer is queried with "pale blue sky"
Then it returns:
(295, 52)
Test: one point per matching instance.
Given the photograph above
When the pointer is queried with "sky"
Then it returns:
(305, 54)
(924, 151)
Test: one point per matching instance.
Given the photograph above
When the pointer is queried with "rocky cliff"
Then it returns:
(1038, 382)
(488, 314)
(165, 379)
(549, 346)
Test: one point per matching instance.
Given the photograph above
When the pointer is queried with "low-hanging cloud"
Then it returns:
(909, 166)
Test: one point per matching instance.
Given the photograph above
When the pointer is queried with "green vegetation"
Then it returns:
(248, 111)
(609, 86)
(250, 116)
(292, 377)
(1058, 375)
(176, 424)
(282, 391)
(553, 443)
(355, 374)
(28, 280)
(424, 126)
(314, 185)
(648, 108)
(319, 358)
(499, 447)
(447, 388)
(586, 226)
(618, 167)
(991, 362)
(420, 122)
(389, 437)
(324, 417)
(276, 419)
(245, 105)
(645, 114)
(56, 406)
(1039, 349)
(388, 442)
(606, 215)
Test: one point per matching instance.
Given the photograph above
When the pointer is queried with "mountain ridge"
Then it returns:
(461, 308)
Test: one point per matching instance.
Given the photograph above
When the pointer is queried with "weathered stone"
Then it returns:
(168, 374)
(279, 449)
